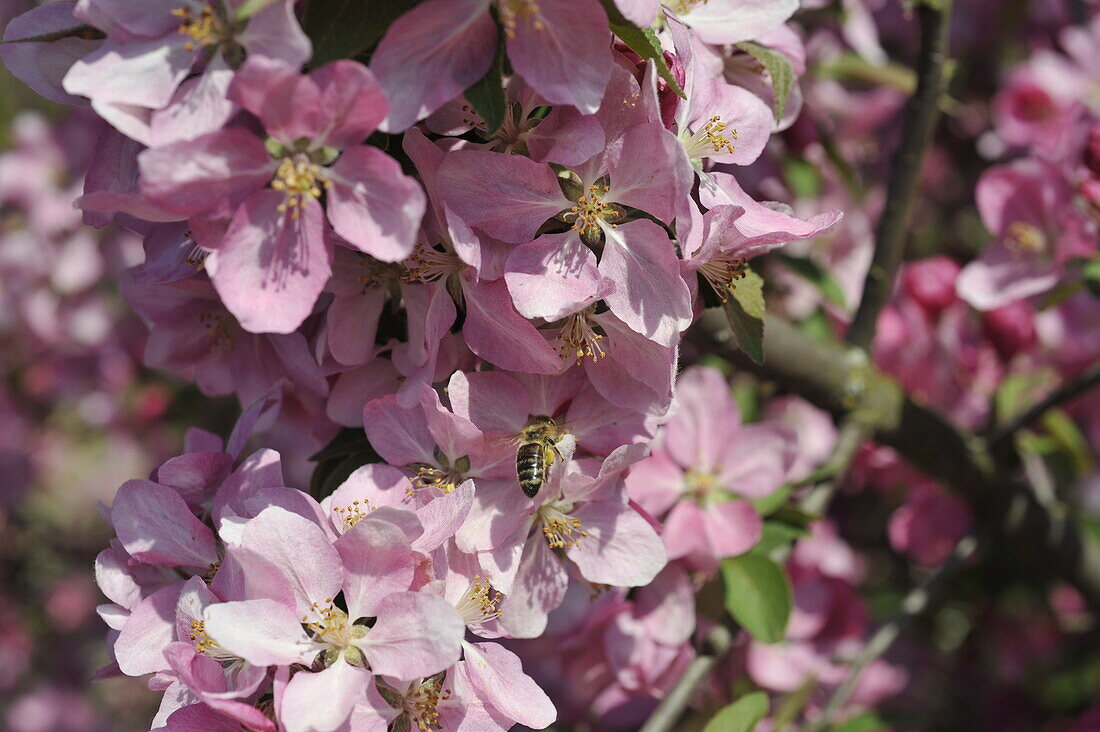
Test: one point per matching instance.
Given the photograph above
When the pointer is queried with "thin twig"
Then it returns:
(828, 476)
(667, 715)
(1066, 392)
(913, 605)
(920, 122)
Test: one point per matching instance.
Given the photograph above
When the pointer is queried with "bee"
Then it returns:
(536, 452)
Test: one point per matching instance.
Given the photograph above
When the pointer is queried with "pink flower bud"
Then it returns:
(931, 282)
(1011, 328)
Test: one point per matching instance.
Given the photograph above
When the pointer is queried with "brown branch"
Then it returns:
(920, 122)
(1068, 391)
(1041, 538)
(912, 605)
(666, 716)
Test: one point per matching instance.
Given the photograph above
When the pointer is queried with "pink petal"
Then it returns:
(373, 205)
(353, 100)
(378, 560)
(553, 276)
(399, 435)
(538, 588)
(650, 296)
(649, 170)
(732, 528)
(289, 104)
(274, 32)
(262, 632)
(497, 333)
(273, 266)
(737, 20)
(507, 196)
(416, 634)
(562, 50)
(497, 675)
(621, 548)
(198, 107)
(322, 701)
(42, 66)
(706, 420)
(140, 646)
(155, 525)
(430, 55)
(442, 517)
(208, 176)
(999, 277)
(288, 558)
(759, 459)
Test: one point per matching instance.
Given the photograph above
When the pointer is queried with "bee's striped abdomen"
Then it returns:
(530, 467)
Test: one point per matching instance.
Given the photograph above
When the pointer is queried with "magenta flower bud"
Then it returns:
(1092, 150)
(1010, 328)
(931, 282)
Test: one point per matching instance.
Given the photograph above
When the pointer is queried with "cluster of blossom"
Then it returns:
(354, 246)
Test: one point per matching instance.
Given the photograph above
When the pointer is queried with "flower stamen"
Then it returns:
(298, 179)
(203, 29)
(578, 338)
(561, 531)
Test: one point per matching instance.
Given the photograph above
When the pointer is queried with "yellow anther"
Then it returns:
(481, 602)
(204, 644)
(351, 514)
(1024, 239)
(511, 11)
(202, 29)
(578, 338)
(561, 531)
(721, 272)
(298, 179)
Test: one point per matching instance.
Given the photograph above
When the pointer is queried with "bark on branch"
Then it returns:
(922, 113)
(839, 379)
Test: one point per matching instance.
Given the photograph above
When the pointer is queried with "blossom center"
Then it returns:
(298, 179)
(561, 530)
(512, 11)
(578, 338)
(721, 272)
(480, 604)
(682, 7)
(589, 210)
(1024, 239)
(217, 330)
(715, 137)
(702, 485)
(443, 475)
(428, 264)
(329, 625)
(351, 514)
(202, 28)
(422, 703)
(206, 645)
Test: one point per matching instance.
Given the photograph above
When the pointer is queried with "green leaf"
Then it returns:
(487, 94)
(779, 69)
(777, 534)
(802, 177)
(251, 7)
(745, 312)
(642, 41)
(866, 722)
(345, 28)
(1069, 437)
(813, 273)
(771, 503)
(758, 595)
(741, 716)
